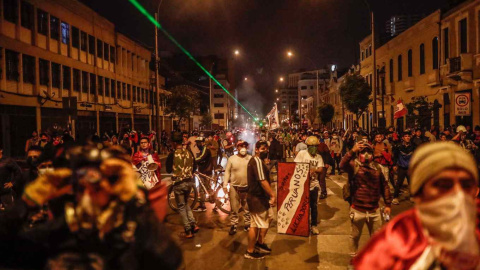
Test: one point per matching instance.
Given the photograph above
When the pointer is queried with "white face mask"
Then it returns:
(450, 222)
(243, 151)
(42, 171)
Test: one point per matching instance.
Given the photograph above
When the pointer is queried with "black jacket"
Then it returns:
(9, 172)
(276, 150)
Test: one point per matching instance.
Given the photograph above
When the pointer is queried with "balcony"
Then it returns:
(460, 68)
(409, 84)
(433, 78)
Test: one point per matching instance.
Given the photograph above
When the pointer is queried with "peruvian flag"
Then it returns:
(293, 198)
(400, 110)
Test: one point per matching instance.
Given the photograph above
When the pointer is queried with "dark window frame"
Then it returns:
(54, 27)
(435, 53)
(75, 37)
(99, 48)
(463, 35)
(28, 63)
(76, 80)
(446, 44)
(399, 68)
(391, 71)
(83, 41)
(410, 63)
(65, 29)
(422, 58)
(66, 77)
(56, 69)
(42, 22)
(44, 69)
(26, 10)
(91, 44)
(10, 10)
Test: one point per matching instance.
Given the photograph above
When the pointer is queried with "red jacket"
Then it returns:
(138, 158)
(398, 245)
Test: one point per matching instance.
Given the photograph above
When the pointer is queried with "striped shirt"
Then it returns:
(257, 198)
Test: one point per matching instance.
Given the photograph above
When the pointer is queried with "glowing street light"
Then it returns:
(281, 79)
(289, 53)
(237, 52)
(278, 99)
(246, 79)
(276, 90)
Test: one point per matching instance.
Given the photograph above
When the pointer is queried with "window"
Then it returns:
(144, 95)
(76, 80)
(410, 66)
(44, 68)
(218, 95)
(66, 77)
(399, 68)
(91, 44)
(27, 15)
(446, 45)
(107, 88)
(303, 87)
(100, 85)
(75, 37)
(93, 84)
(10, 8)
(84, 82)
(218, 116)
(54, 27)
(218, 105)
(462, 29)
(391, 70)
(435, 53)
(112, 54)
(363, 55)
(42, 22)
(112, 86)
(106, 50)
(55, 75)
(99, 48)
(119, 90)
(370, 50)
(83, 39)
(28, 64)
(134, 93)
(65, 33)
(128, 88)
(422, 58)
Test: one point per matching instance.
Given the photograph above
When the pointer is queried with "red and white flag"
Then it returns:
(272, 117)
(400, 110)
(293, 191)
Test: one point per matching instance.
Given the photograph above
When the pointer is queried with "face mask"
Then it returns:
(312, 151)
(450, 222)
(365, 157)
(43, 171)
(263, 155)
(263, 138)
(243, 151)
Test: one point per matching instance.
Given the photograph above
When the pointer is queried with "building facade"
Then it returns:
(441, 64)
(223, 106)
(52, 50)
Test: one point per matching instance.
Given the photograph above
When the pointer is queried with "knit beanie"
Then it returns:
(432, 158)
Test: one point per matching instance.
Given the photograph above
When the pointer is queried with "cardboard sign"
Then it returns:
(293, 198)
(463, 104)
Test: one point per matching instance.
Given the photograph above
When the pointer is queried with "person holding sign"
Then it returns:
(260, 199)
(311, 157)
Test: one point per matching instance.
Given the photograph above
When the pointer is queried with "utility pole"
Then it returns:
(374, 80)
(157, 88)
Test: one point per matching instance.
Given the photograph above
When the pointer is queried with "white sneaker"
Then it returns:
(395, 201)
(315, 230)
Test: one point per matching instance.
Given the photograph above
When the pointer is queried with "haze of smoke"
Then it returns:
(251, 98)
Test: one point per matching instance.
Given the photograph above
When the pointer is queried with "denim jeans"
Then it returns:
(401, 175)
(182, 192)
(237, 200)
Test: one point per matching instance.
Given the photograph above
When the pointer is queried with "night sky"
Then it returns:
(324, 31)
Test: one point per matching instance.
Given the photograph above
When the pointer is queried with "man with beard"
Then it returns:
(367, 185)
(105, 221)
(260, 199)
(148, 164)
(441, 231)
(236, 176)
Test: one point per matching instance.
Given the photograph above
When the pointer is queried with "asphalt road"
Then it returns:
(214, 248)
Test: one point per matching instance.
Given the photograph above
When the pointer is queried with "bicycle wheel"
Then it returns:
(222, 200)
(192, 198)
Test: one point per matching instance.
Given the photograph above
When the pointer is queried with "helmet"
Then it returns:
(461, 128)
(312, 140)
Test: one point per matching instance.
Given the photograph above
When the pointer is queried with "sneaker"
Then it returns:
(200, 209)
(188, 234)
(263, 248)
(246, 228)
(195, 228)
(315, 230)
(233, 230)
(323, 195)
(395, 201)
(253, 256)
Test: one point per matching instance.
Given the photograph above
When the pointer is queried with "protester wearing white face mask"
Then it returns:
(236, 176)
(441, 231)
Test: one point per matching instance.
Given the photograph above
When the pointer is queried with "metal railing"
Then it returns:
(455, 64)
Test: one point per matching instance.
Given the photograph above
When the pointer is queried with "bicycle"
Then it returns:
(214, 195)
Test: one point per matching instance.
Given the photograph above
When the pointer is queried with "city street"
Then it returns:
(214, 248)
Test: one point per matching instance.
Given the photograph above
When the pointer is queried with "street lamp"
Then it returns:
(281, 79)
(276, 90)
(245, 79)
(289, 54)
(237, 52)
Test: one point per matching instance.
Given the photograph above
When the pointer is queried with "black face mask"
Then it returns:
(263, 155)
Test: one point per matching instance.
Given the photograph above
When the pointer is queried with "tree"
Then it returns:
(326, 112)
(355, 93)
(182, 102)
(206, 120)
(420, 112)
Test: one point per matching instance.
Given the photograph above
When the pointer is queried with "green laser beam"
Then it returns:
(159, 26)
